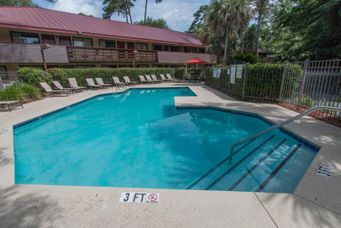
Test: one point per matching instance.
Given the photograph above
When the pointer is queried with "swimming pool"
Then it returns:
(138, 138)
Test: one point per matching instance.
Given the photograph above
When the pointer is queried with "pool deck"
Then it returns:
(316, 201)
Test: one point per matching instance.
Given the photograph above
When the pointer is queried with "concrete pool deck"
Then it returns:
(316, 201)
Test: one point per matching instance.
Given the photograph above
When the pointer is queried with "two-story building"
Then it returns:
(40, 37)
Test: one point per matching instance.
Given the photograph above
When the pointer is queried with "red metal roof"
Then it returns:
(44, 20)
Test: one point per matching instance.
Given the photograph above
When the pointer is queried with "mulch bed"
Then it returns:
(330, 117)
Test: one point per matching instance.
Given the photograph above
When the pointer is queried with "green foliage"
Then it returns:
(17, 3)
(292, 30)
(29, 92)
(307, 101)
(250, 38)
(105, 73)
(199, 19)
(119, 7)
(222, 24)
(33, 75)
(263, 81)
(20, 91)
(246, 57)
(157, 23)
(180, 73)
(314, 27)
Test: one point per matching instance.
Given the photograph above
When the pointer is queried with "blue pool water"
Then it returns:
(139, 139)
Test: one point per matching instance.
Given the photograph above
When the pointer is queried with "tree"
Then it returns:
(316, 25)
(249, 39)
(199, 18)
(120, 7)
(261, 8)
(146, 7)
(157, 23)
(229, 19)
(83, 14)
(17, 3)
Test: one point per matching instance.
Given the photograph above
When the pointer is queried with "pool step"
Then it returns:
(257, 175)
(221, 169)
(249, 171)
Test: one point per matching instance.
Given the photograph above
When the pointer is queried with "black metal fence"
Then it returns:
(297, 86)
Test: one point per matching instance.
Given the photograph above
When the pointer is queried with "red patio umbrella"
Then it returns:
(196, 61)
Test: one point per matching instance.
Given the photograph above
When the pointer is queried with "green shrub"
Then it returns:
(11, 93)
(20, 91)
(180, 73)
(246, 57)
(307, 101)
(105, 73)
(29, 92)
(33, 75)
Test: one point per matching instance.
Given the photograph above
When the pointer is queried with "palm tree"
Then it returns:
(146, 7)
(228, 18)
(261, 8)
(121, 7)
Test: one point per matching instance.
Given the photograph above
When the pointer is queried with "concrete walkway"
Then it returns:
(315, 203)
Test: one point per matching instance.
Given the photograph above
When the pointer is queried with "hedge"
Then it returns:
(263, 81)
(20, 91)
(32, 76)
(106, 74)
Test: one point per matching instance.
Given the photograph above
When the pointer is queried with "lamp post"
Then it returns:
(134, 58)
(42, 48)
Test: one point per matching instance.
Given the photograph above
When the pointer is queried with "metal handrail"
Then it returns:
(245, 140)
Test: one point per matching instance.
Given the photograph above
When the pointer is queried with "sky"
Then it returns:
(177, 13)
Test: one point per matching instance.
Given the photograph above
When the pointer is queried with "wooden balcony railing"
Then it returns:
(106, 55)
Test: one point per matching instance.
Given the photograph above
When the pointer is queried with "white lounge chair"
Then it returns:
(10, 104)
(74, 85)
(117, 82)
(127, 80)
(91, 83)
(47, 89)
(163, 77)
(169, 77)
(100, 82)
(149, 79)
(142, 79)
(154, 78)
(59, 86)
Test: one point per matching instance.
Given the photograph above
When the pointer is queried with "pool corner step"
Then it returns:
(249, 171)
(217, 172)
(278, 168)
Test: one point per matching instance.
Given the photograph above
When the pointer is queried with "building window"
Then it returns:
(48, 39)
(130, 45)
(65, 40)
(85, 66)
(158, 47)
(175, 48)
(191, 49)
(82, 42)
(107, 43)
(120, 44)
(141, 46)
(202, 50)
(166, 48)
(3, 73)
(25, 38)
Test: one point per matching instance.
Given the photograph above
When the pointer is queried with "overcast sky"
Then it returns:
(177, 13)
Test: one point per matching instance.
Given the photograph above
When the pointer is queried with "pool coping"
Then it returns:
(275, 212)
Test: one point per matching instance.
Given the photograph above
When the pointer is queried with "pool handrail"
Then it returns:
(245, 140)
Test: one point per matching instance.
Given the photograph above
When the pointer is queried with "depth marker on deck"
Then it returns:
(325, 169)
(139, 197)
